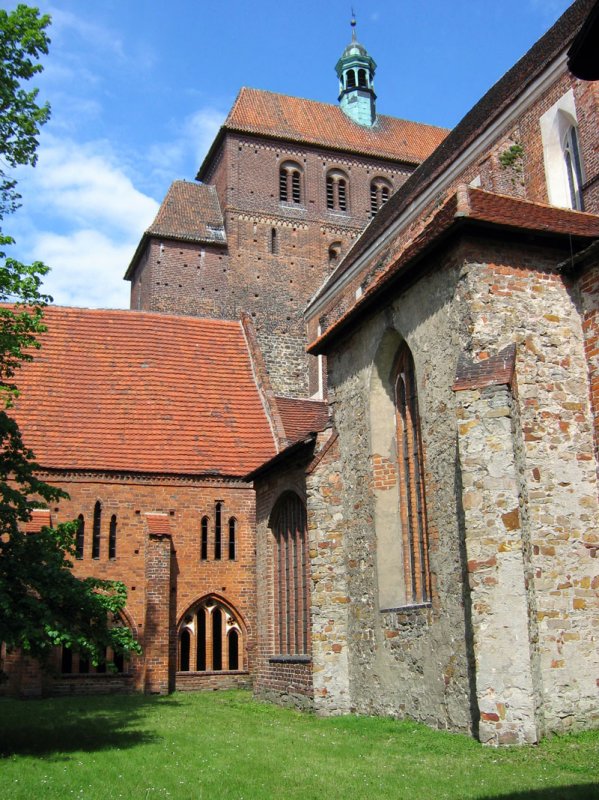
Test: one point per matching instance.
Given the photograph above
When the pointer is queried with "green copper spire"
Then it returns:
(355, 70)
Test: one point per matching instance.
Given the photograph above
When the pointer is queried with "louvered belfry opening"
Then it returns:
(411, 480)
(291, 576)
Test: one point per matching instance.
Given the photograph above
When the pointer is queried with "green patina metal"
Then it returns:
(355, 70)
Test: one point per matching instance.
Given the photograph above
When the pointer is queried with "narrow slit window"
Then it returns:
(96, 529)
(218, 532)
(274, 244)
(204, 539)
(217, 639)
(112, 537)
(80, 537)
(232, 538)
(342, 190)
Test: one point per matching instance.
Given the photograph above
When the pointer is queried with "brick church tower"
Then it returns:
(286, 187)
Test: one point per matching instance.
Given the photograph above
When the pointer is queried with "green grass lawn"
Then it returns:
(225, 745)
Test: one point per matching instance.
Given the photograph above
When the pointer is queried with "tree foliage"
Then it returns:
(42, 603)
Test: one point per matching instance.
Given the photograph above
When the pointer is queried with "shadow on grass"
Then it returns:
(61, 726)
(587, 791)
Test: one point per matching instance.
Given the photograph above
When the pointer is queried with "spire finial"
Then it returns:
(353, 25)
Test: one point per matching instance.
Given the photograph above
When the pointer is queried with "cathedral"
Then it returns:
(343, 447)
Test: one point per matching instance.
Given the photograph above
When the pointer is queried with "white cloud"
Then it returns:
(87, 268)
(190, 144)
(83, 217)
(87, 185)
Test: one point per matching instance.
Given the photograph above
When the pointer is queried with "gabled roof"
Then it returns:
(294, 119)
(477, 209)
(139, 392)
(190, 212)
(301, 417)
(476, 121)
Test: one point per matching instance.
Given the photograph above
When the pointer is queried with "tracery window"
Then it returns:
(337, 190)
(210, 639)
(290, 183)
(380, 191)
(288, 524)
(411, 480)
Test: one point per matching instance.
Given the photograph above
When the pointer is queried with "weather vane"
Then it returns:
(353, 24)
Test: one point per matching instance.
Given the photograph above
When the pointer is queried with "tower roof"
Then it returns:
(295, 119)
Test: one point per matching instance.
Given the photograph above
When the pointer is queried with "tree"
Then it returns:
(42, 603)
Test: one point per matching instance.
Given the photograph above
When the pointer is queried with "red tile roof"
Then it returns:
(301, 417)
(134, 391)
(474, 207)
(190, 212)
(40, 518)
(298, 120)
(158, 524)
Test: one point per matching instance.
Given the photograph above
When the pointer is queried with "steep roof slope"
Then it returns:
(190, 212)
(477, 120)
(301, 417)
(295, 119)
(141, 392)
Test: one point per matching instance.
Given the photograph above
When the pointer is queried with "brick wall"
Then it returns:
(247, 276)
(144, 571)
(286, 679)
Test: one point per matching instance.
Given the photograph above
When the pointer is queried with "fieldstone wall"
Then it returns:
(329, 591)
(412, 660)
(498, 558)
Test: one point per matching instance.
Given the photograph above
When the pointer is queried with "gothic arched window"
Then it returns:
(288, 524)
(210, 639)
(411, 479)
(290, 183)
(380, 191)
(337, 185)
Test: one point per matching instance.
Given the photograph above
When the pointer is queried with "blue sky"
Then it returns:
(138, 89)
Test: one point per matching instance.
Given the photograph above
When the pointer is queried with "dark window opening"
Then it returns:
(351, 79)
(119, 662)
(185, 643)
(232, 542)
(83, 665)
(233, 642)
(204, 539)
(274, 245)
(218, 532)
(201, 639)
(96, 530)
(334, 252)
(80, 537)
(112, 537)
(66, 660)
(217, 639)
(362, 78)
(342, 192)
(330, 194)
(283, 185)
(295, 187)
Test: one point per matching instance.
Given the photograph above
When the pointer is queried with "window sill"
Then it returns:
(290, 659)
(405, 609)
